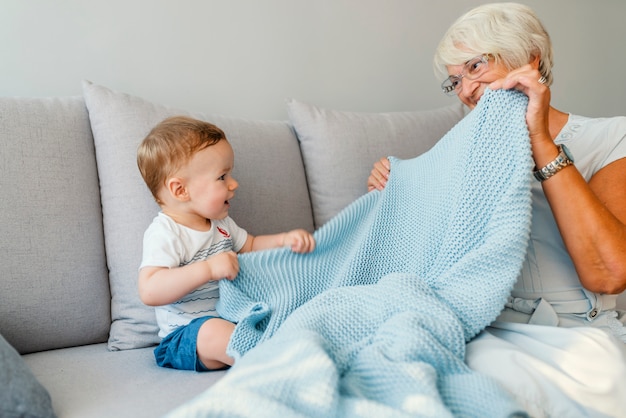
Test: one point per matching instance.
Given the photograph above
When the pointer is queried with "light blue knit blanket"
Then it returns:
(374, 322)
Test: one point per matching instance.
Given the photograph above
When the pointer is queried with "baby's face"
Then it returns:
(209, 182)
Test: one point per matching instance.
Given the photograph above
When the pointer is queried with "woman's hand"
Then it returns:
(379, 175)
(526, 80)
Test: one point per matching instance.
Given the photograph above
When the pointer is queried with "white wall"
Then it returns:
(244, 57)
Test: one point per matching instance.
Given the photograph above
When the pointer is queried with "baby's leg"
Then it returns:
(213, 338)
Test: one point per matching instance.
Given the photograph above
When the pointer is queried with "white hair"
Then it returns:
(510, 32)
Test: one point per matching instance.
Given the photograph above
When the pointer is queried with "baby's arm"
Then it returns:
(299, 240)
(162, 285)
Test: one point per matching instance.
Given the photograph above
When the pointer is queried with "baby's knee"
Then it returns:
(212, 341)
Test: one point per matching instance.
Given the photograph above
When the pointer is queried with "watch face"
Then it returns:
(567, 153)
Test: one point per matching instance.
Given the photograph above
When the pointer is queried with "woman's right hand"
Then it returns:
(379, 175)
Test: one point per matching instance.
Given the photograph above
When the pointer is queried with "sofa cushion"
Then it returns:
(339, 148)
(55, 286)
(272, 195)
(21, 394)
(92, 382)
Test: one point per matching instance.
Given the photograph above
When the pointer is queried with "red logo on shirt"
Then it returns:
(223, 232)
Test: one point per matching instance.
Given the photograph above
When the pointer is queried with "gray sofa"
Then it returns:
(75, 339)
(74, 209)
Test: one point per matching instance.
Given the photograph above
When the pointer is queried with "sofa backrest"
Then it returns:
(54, 288)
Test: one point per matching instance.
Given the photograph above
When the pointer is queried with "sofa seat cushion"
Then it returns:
(91, 381)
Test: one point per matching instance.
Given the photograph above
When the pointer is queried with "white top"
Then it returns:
(548, 272)
(168, 244)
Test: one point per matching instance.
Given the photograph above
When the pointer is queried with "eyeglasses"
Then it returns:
(472, 69)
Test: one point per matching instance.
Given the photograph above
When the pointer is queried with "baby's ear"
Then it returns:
(176, 189)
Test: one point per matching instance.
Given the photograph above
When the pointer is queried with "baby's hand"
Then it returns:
(223, 266)
(299, 240)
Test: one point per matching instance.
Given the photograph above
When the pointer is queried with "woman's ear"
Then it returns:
(177, 189)
(534, 61)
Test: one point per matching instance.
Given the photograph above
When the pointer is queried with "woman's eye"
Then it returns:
(475, 66)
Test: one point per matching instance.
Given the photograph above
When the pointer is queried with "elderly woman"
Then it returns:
(576, 261)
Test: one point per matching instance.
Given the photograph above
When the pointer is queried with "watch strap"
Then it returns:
(559, 163)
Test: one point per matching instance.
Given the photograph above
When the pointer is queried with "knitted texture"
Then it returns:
(374, 322)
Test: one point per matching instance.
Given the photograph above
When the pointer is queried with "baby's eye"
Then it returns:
(222, 177)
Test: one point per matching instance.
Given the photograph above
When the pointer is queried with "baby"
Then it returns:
(192, 243)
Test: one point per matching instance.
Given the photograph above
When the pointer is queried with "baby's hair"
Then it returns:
(170, 145)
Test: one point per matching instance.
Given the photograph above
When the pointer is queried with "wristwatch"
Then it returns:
(559, 163)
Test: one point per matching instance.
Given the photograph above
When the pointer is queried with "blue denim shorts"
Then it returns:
(178, 349)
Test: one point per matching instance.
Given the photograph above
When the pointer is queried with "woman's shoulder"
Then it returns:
(586, 129)
(594, 142)
(600, 124)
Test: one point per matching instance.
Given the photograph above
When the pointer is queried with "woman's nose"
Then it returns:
(467, 87)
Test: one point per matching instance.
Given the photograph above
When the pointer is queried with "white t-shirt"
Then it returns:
(168, 244)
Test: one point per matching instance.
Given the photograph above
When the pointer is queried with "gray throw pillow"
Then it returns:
(339, 148)
(264, 203)
(21, 394)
